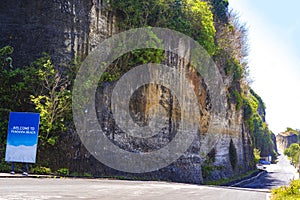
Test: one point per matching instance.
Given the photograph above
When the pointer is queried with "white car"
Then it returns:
(260, 167)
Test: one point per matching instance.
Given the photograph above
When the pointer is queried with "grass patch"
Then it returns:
(226, 181)
(291, 192)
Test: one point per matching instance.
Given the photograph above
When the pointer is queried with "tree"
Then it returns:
(256, 155)
(53, 102)
(203, 29)
(14, 90)
(293, 152)
(232, 155)
(220, 10)
(193, 18)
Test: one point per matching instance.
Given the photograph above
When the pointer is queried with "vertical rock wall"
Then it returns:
(66, 29)
(284, 140)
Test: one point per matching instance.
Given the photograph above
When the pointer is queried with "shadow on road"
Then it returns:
(279, 174)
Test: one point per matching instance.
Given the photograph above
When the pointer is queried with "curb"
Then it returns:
(244, 182)
(19, 175)
(4, 175)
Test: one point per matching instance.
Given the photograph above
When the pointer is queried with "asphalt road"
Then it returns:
(278, 175)
(67, 188)
(46, 188)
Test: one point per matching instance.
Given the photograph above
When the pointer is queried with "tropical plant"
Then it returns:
(53, 102)
(293, 152)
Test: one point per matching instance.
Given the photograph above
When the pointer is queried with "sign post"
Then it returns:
(22, 137)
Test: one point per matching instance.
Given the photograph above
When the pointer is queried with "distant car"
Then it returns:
(260, 167)
(264, 162)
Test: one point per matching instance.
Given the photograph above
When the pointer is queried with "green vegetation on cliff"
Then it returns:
(38, 87)
(254, 114)
(193, 18)
(293, 152)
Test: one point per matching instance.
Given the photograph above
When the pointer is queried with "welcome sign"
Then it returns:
(22, 137)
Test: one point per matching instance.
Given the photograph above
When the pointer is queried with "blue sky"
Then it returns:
(274, 57)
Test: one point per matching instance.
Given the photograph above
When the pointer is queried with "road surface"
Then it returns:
(67, 188)
(278, 175)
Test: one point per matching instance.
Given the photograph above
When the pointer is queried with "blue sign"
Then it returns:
(22, 137)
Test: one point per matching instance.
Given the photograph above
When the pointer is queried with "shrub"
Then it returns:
(256, 155)
(207, 167)
(248, 111)
(4, 166)
(86, 174)
(293, 152)
(290, 192)
(63, 172)
(41, 170)
(206, 170)
(238, 99)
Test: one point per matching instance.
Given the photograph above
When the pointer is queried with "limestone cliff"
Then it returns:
(65, 29)
(273, 137)
(72, 28)
(285, 139)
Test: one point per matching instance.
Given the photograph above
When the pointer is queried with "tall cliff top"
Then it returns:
(286, 134)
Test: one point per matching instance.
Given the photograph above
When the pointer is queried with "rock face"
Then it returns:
(273, 137)
(284, 140)
(72, 28)
(189, 168)
(65, 29)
